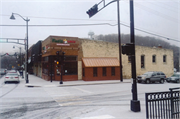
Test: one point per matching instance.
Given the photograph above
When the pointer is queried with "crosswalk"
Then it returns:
(56, 93)
(66, 97)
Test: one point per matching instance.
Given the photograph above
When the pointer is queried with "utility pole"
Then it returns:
(119, 40)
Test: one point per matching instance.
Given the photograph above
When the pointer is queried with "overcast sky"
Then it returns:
(160, 17)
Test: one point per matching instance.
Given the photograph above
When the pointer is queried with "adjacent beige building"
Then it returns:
(152, 59)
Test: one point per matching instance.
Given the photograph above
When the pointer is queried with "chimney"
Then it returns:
(159, 46)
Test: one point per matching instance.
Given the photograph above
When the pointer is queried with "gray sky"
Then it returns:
(160, 17)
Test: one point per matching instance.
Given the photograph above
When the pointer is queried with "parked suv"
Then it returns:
(174, 78)
(153, 76)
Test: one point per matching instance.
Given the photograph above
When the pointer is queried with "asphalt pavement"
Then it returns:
(116, 108)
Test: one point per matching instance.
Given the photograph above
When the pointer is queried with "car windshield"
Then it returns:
(175, 75)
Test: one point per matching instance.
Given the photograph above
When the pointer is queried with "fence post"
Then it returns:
(147, 114)
(172, 105)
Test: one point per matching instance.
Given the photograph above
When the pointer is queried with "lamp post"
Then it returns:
(27, 20)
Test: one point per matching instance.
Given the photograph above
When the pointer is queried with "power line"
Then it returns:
(152, 33)
(163, 6)
(157, 13)
(62, 18)
(94, 25)
(63, 25)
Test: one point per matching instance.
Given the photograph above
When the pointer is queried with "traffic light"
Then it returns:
(92, 11)
(57, 53)
(127, 49)
(63, 56)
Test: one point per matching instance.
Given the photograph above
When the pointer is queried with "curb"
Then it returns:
(80, 84)
(31, 85)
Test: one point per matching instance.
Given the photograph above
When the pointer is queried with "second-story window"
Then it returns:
(154, 58)
(142, 61)
(164, 58)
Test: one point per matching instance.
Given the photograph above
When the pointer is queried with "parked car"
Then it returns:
(2, 71)
(174, 78)
(151, 77)
(11, 76)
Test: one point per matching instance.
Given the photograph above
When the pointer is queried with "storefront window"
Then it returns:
(83, 72)
(70, 58)
(104, 71)
(46, 59)
(112, 71)
(70, 68)
(95, 71)
(45, 68)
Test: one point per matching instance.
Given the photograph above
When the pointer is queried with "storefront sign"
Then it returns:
(63, 41)
(63, 44)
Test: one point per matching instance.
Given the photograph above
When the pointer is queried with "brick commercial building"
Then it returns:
(98, 60)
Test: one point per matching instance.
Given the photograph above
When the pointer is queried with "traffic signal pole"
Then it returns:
(93, 10)
(135, 103)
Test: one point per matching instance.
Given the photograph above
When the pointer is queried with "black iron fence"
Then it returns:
(163, 105)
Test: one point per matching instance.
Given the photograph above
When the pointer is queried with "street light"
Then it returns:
(12, 17)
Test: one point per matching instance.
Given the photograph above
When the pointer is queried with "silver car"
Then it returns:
(174, 78)
(151, 77)
(11, 77)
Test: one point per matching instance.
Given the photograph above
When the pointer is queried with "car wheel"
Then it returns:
(161, 81)
(177, 81)
(147, 81)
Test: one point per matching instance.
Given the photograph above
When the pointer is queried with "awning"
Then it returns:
(100, 62)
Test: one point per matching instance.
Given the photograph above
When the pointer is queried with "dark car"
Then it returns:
(2, 71)
(174, 78)
(151, 77)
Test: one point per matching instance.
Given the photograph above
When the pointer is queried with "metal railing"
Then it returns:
(163, 105)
